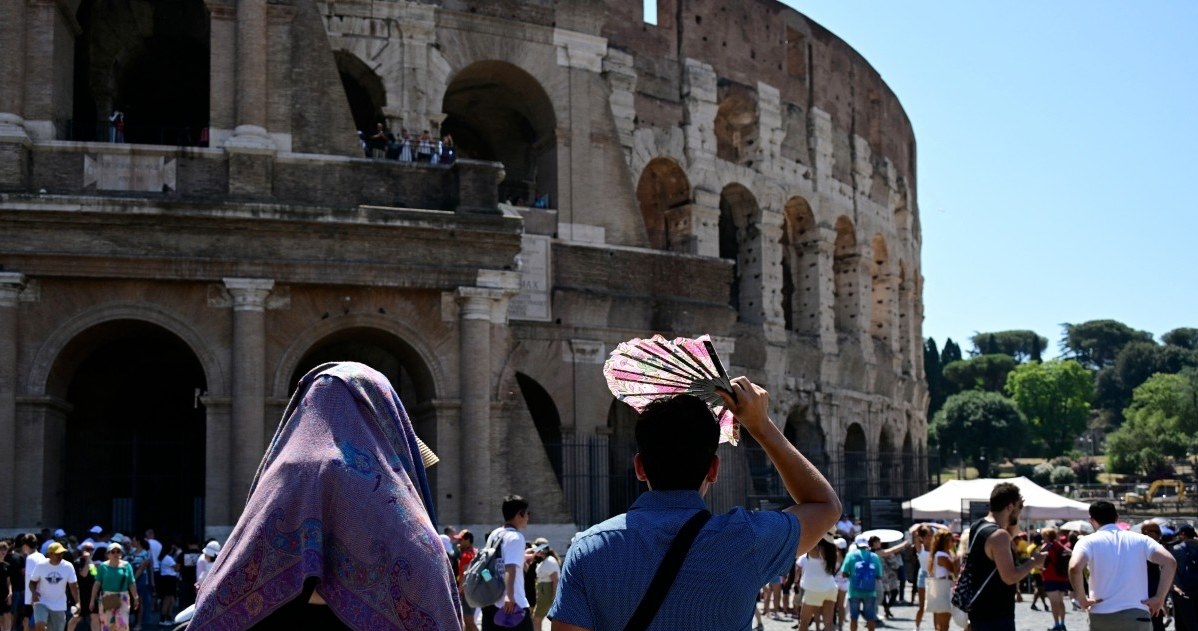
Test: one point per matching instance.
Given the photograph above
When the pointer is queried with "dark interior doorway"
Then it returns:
(135, 437)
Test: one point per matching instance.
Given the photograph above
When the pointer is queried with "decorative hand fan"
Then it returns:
(641, 371)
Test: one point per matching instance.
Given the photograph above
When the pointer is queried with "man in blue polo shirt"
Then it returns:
(609, 567)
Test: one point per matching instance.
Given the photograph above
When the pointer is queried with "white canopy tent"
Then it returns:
(945, 502)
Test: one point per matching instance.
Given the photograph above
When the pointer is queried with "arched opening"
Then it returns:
(395, 359)
(623, 487)
(856, 472)
(149, 60)
(664, 193)
(844, 269)
(806, 434)
(134, 436)
(911, 475)
(497, 111)
(740, 234)
(888, 460)
(546, 419)
(365, 92)
(736, 124)
(881, 290)
(800, 268)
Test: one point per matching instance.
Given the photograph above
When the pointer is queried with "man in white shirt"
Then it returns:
(27, 545)
(155, 549)
(1118, 582)
(511, 546)
(48, 585)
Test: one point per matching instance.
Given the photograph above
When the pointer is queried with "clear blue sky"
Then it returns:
(1058, 153)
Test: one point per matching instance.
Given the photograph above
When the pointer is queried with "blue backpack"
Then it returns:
(865, 575)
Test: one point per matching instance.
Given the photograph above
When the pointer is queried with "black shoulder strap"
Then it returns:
(655, 595)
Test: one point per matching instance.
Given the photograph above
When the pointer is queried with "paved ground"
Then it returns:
(904, 619)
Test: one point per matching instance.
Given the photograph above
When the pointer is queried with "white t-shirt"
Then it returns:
(547, 569)
(52, 581)
(155, 551)
(815, 575)
(1116, 560)
(202, 567)
(31, 562)
(168, 566)
(511, 546)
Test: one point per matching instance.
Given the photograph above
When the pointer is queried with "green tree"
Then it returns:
(1135, 363)
(1096, 343)
(1161, 423)
(984, 372)
(950, 353)
(1022, 345)
(1055, 398)
(972, 421)
(1185, 337)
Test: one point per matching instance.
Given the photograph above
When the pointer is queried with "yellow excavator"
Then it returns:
(1148, 497)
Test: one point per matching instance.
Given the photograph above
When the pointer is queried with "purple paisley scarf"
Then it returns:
(342, 496)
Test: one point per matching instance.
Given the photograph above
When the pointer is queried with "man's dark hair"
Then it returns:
(676, 438)
(27, 539)
(1003, 495)
(467, 535)
(1104, 512)
(513, 505)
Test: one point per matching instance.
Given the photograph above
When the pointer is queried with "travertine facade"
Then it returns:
(734, 169)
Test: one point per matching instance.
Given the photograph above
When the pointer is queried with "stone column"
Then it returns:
(249, 381)
(15, 145)
(218, 514)
(447, 487)
(474, 321)
(10, 289)
(222, 112)
(251, 76)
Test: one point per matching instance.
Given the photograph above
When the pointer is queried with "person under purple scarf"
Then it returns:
(340, 506)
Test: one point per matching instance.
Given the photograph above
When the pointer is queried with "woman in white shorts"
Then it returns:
(942, 568)
(816, 573)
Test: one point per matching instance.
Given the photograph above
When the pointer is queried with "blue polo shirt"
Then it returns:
(608, 567)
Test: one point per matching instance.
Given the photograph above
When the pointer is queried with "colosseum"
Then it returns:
(729, 168)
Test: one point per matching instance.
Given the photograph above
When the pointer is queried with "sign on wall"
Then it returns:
(108, 172)
(533, 301)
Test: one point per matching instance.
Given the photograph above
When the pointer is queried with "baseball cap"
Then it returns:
(861, 541)
(212, 549)
(841, 543)
(60, 533)
(56, 548)
(95, 530)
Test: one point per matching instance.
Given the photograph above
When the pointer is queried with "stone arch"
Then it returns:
(149, 60)
(806, 434)
(664, 195)
(740, 232)
(888, 461)
(545, 418)
(623, 487)
(800, 267)
(427, 376)
(364, 89)
(845, 261)
(496, 110)
(882, 290)
(911, 474)
(736, 124)
(47, 377)
(132, 387)
(855, 484)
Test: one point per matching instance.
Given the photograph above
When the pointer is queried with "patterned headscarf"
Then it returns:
(342, 496)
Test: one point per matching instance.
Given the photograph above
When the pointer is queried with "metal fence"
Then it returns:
(598, 480)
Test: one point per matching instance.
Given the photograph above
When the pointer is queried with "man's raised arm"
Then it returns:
(817, 505)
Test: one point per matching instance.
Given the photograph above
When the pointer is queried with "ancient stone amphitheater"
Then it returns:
(732, 169)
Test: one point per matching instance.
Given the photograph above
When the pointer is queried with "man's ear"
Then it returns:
(638, 466)
(713, 471)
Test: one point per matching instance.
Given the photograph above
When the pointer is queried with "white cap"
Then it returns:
(841, 543)
(861, 541)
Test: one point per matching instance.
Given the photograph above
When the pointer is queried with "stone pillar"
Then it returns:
(474, 320)
(10, 289)
(222, 80)
(251, 75)
(218, 472)
(249, 381)
(448, 488)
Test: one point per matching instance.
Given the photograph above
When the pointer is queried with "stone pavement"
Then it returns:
(904, 620)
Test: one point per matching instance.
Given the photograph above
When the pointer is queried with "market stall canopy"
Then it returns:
(945, 502)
